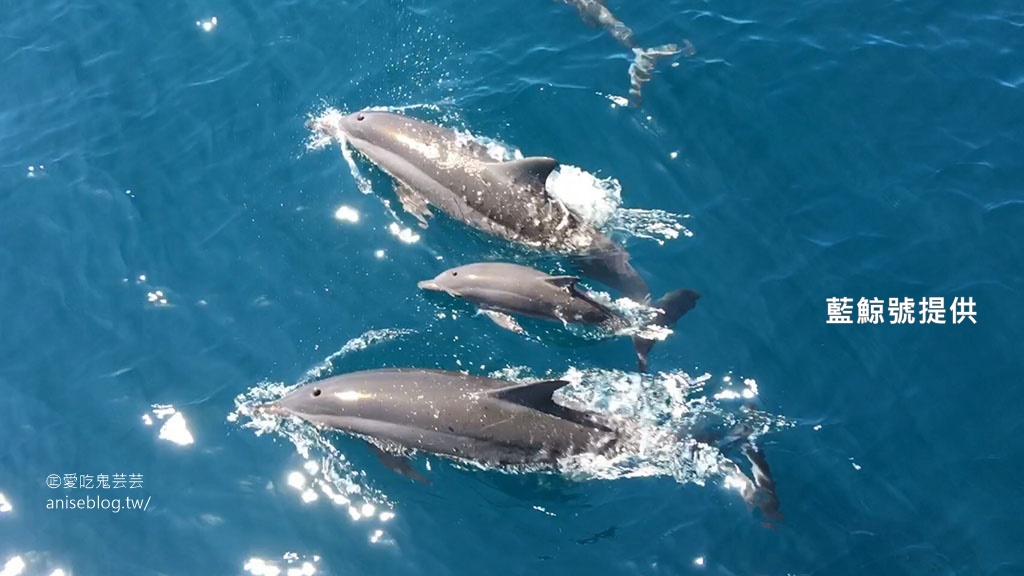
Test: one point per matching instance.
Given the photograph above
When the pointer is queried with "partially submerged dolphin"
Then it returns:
(434, 166)
(758, 489)
(502, 289)
(644, 59)
(467, 417)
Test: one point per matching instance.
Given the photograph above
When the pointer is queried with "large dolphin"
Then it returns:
(451, 414)
(502, 289)
(644, 59)
(478, 419)
(436, 166)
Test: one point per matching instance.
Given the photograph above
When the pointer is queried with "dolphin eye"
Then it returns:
(360, 117)
(455, 273)
(316, 392)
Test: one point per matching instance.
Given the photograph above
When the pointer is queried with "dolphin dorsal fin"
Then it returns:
(533, 168)
(563, 281)
(535, 395)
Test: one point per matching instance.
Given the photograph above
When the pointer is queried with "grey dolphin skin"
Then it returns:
(644, 59)
(450, 414)
(435, 166)
(502, 288)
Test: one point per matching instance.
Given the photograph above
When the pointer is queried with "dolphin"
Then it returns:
(502, 289)
(468, 418)
(434, 166)
(449, 414)
(758, 489)
(644, 59)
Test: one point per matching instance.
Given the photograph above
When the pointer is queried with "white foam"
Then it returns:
(13, 567)
(654, 411)
(296, 480)
(176, 430)
(346, 214)
(592, 198)
(260, 567)
(404, 234)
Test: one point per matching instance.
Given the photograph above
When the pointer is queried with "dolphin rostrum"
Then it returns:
(434, 166)
(502, 289)
(644, 59)
(450, 414)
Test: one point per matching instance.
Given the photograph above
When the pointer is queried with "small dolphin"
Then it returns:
(502, 289)
(450, 414)
(434, 166)
(595, 12)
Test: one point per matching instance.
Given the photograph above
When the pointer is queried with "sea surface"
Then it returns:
(176, 245)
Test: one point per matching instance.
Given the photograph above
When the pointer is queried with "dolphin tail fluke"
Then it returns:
(644, 60)
(673, 306)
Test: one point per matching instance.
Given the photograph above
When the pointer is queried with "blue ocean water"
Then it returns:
(168, 243)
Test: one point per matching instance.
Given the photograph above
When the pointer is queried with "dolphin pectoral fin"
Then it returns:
(535, 168)
(399, 464)
(504, 320)
(413, 203)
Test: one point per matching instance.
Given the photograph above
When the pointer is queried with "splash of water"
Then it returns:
(640, 319)
(599, 201)
(659, 415)
(595, 200)
(362, 342)
(325, 129)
